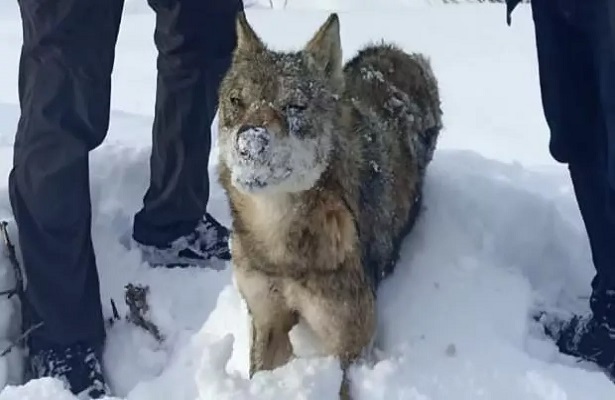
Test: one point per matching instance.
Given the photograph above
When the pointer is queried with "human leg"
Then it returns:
(572, 107)
(571, 87)
(64, 89)
(599, 20)
(195, 41)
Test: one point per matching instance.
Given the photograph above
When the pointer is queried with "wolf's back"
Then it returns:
(396, 113)
(400, 89)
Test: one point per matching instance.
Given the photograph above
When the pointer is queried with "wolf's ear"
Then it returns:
(325, 49)
(247, 39)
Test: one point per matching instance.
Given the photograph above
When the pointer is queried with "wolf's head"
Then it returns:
(278, 111)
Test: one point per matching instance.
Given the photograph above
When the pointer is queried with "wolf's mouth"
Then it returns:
(253, 176)
(262, 162)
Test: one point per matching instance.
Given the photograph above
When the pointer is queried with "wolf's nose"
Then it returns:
(252, 141)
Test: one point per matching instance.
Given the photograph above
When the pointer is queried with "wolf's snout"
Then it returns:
(252, 141)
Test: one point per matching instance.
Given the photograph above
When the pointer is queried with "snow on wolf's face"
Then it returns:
(275, 135)
(278, 113)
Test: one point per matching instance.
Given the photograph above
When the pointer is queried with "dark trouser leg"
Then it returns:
(195, 40)
(591, 192)
(604, 53)
(599, 20)
(64, 89)
(602, 30)
(571, 87)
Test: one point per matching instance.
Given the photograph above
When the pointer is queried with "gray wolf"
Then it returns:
(323, 165)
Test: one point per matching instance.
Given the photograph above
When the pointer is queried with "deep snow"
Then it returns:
(499, 235)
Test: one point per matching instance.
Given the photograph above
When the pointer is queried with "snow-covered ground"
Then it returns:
(500, 233)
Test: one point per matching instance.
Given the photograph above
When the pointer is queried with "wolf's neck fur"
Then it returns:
(316, 223)
(274, 210)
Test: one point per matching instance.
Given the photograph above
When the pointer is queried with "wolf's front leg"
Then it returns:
(271, 320)
(270, 345)
(341, 311)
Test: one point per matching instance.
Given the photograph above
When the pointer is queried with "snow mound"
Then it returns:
(493, 241)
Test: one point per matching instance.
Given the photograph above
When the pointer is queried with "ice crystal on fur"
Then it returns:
(369, 74)
(295, 121)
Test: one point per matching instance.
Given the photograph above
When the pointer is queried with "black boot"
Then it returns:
(206, 246)
(586, 337)
(79, 366)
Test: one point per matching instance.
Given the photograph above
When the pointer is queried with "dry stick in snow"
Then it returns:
(19, 286)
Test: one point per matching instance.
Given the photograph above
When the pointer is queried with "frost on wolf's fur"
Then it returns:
(294, 121)
(400, 104)
(288, 164)
(253, 142)
(374, 165)
(371, 74)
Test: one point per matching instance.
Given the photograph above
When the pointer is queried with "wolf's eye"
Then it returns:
(236, 101)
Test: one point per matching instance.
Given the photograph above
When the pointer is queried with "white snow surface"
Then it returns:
(500, 233)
